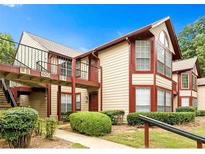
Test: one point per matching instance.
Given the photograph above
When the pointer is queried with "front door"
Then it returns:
(93, 101)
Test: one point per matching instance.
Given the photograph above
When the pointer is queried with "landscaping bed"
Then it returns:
(41, 142)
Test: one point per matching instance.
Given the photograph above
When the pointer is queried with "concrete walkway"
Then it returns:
(91, 142)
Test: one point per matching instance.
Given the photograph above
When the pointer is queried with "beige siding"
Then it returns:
(175, 77)
(201, 97)
(28, 56)
(194, 93)
(175, 102)
(115, 66)
(163, 82)
(54, 90)
(162, 27)
(185, 93)
(195, 70)
(142, 79)
(35, 100)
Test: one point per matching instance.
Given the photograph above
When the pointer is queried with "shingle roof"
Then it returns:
(201, 81)
(54, 47)
(184, 64)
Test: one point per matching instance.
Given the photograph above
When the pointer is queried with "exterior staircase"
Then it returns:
(6, 97)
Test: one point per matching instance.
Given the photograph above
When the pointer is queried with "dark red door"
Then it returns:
(93, 101)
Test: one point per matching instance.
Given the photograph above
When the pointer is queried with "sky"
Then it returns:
(84, 27)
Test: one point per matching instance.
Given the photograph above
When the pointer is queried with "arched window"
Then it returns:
(164, 56)
(163, 38)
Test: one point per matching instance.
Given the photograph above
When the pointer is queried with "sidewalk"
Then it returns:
(91, 142)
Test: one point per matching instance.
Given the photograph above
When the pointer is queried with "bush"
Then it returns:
(201, 113)
(51, 125)
(39, 129)
(172, 118)
(116, 116)
(65, 116)
(185, 109)
(91, 123)
(17, 125)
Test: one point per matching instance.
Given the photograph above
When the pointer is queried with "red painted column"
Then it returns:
(199, 145)
(73, 78)
(146, 135)
(59, 103)
(48, 100)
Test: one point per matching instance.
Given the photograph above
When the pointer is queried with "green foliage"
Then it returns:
(201, 113)
(91, 123)
(116, 116)
(172, 118)
(192, 41)
(39, 129)
(65, 116)
(51, 125)
(185, 109)
(17, 124)
(7, 49)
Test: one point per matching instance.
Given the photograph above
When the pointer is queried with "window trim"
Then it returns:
(182, 81)
(165, 103)
(150, 56)
(186, 97)
(143, 87)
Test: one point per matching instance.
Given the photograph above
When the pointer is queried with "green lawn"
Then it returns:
(158, 138)
(78, 146)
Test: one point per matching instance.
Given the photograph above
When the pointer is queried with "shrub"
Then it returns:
(39, 129)
(201, 113)
(65, 116)
(51, 125)
(116, 116)
(171, 118)
(185, 109)
(17, 125)
(91, 123)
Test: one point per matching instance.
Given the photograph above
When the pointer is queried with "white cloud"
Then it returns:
(12, 5)
(119, 33)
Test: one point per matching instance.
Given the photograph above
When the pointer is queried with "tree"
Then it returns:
(7, 49)
(192, 41)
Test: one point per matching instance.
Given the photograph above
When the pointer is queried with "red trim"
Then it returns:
(73, 85)
(101, 89)
(59, 103)
(48, 100)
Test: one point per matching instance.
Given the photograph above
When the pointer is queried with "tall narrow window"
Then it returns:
(143, 100)
(194, 102)
(194, 82)
(160, 100)
(168, 102)
(66, 103)
(164, 56)
(78, 102)
(185, 80)
(143, 55)
(184, 101)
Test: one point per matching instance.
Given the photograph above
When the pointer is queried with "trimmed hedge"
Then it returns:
(185, 109)
(172, 118)
(116, 116)
(17, 125)
(201, 113)
(91, 123)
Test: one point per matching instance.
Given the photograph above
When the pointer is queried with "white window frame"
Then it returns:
(185, 98)
(182, 81)
(66, 101)
(138, 104)
(137, 50)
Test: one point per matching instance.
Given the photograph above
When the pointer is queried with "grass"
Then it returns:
(78, 146)
(158, 138)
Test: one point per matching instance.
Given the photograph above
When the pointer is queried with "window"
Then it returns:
(194, 102)
(185, 80)
(184, 101)
(194, 82)
(78, 102)
(143, 100)
(160, 100)
(164, 56)
(168, 102)
(65, 67)
(66, 103)
(143, 55)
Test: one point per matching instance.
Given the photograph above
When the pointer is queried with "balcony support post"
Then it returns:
(73, 79)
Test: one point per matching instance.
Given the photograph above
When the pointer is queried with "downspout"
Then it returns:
(101, 75)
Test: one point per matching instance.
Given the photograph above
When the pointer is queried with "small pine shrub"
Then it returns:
(39, 129)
